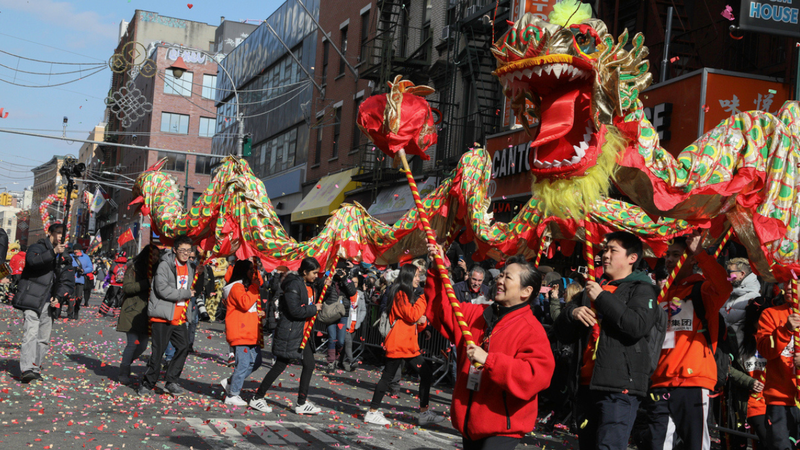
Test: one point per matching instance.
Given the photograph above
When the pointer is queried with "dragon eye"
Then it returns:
(585, 42)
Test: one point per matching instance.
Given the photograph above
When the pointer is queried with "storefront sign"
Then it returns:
(771, 16)
(511, 170)
(511, 161)
(661, 117)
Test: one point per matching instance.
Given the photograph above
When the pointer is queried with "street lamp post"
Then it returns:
(179, 67)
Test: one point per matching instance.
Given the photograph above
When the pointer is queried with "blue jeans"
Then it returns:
(134, 350)
(336, 334)
(248, 360)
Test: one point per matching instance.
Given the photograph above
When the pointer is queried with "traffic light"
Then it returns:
(62, 191)
(74, 194)
(247, 145)
(5, 199)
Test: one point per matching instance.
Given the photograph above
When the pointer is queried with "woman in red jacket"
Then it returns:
(495, 406)
(243, 327)
(406, 314)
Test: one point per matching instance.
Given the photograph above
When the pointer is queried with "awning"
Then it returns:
(326, 196)
(392, 203)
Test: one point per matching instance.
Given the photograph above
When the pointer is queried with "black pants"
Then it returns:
(75, 302)
(758, 425)
(419, 365)
(491, 443)
(681, 411)
(164, 333)
(784, 424)
(87, 291)
(278, 368)
(605, 419)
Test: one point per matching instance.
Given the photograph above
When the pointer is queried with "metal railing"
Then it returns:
(436, 350)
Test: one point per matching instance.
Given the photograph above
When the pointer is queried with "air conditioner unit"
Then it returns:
(445, 33)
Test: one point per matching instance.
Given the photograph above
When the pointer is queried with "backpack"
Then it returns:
(655, 338)
(119, 273)
(383, 324)
(721, 355)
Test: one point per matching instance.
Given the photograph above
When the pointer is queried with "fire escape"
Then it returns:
(387, 55)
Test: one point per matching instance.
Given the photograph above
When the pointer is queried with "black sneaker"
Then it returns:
(144, 391)
(38, 375)
(174, 389)
(28, 376)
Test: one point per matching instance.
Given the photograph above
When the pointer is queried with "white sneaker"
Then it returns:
(376, 418)
(429, 417)
(307, 408)
(259, 404)
(235, 400)
(224, 383)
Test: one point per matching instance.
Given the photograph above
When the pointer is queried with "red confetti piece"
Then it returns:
(100, 332)
(136, 342)
(189, 5)
(319, 186)
(674, 58)
(705, 108)
(245, 350)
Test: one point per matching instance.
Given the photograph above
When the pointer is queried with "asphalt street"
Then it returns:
(80, 405)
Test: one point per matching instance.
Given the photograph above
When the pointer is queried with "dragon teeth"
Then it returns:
(579, 151)
(548, 69)
(527, 73)
(557, 68)
(575, 159)
(538, 71)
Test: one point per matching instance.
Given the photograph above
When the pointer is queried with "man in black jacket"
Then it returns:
(611, 324)
(34, 297)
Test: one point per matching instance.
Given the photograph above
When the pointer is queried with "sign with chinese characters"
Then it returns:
(702, 99)
(770, 16)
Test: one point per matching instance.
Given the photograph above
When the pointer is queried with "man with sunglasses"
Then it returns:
(169, 299)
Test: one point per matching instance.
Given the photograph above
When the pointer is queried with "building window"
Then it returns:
(206, 127)
(175, 162)
(209, 86)
(318, 150)
(325, 51)
(178, 86)
(195, 196)
(364, 36)
(203, 165)
(337, 130)
(344, 51)
(174, 123)
(356, 131)
(277, 154)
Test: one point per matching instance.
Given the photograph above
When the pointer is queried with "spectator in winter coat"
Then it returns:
(64, 289)
(358, 311)
(495, 406)
(341, 290)
(407, 319)
(472, 290)
(746, 288)
(611, 324)
(84, 275)
(297, 306)
(133, 318)
(114, 280)
(167, 308)
(35, 296)
(687, 371)
(243, 328)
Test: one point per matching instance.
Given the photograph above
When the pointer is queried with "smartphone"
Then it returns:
(545, 289)
(583, 270)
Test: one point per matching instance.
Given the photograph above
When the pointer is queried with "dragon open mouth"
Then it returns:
(561, 87)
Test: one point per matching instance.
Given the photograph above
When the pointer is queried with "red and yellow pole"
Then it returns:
(309, 326)
(724, 241)
(796, 310)
(426, 225)
(589, 251)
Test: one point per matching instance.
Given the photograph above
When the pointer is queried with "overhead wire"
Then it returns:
(49, 46)
(53, 62)
(54, 74)
(54, 85)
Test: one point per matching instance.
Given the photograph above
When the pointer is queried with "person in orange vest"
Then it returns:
(407, 318)
(678, 401)
(243, 328)
(777, 329)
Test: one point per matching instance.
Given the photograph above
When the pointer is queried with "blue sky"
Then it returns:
(73, 31)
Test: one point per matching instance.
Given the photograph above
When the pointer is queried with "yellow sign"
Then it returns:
(326, 196)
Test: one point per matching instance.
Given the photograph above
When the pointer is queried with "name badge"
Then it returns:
(669, 340)
(474, 379)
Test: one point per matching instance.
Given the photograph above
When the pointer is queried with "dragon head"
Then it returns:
(572, 77)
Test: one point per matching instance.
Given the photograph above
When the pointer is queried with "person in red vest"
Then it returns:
(678, 400)
(496, 405)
